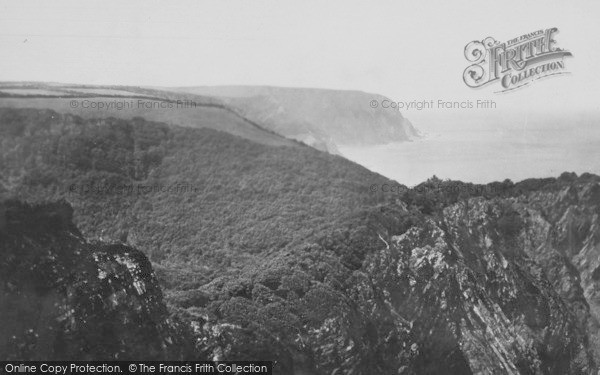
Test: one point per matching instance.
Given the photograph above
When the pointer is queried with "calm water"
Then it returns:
(460, 149)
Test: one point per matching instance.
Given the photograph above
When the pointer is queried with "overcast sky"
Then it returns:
(407, 50)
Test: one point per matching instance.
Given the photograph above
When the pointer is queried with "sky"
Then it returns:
(406, 50)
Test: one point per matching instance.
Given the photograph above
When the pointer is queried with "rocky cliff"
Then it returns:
(64, 298)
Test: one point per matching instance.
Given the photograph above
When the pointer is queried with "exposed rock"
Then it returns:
(64, 298)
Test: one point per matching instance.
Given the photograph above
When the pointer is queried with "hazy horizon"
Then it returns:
(483, 152)
(387, 48)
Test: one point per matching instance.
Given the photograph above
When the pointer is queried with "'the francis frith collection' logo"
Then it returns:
(515, 63)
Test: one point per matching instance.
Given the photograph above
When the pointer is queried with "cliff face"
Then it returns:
(521, 310)
(507, 286)
(565, 242)
(64, 298)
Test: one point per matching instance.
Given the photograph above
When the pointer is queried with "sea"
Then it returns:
(487, 148)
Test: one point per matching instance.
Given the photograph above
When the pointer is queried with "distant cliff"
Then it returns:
(321, 118)
(64, 298)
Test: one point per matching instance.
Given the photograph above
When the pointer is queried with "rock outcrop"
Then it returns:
(64, 298)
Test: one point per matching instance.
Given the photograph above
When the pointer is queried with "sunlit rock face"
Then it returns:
(524, 271)
(569, 251)
(465, 303)
(64, 298)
